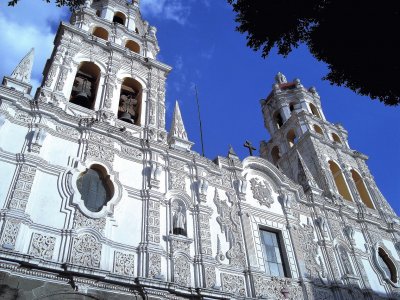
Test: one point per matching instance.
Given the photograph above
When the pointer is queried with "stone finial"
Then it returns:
(177, 136)
(231, 153)
(280, 78)
(24, 69)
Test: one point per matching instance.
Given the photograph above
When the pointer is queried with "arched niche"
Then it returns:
(314, 110)
(178, 217)
(119, 18)
(278, 119)
(291, 137)
(336, 138)
(101, 33)
(95, 187)
(318, 129)
(130, 101)
(275, 154)
(362, 189)
(85, 85)
(133, 46)
(340, 181)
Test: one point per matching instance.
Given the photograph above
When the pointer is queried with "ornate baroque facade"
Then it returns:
(98, 201)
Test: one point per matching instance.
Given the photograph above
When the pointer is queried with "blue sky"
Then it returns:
(197, 38)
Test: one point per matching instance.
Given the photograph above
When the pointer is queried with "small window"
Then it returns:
(318, 129)
(272, 251)
(95, 187)
(275, 154)
(387, 265)
(314, 110)
(336, 138)
(278, 119)
(98, 13)
(119, 18)
(291, 138)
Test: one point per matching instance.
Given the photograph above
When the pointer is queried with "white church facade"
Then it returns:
(99, 201)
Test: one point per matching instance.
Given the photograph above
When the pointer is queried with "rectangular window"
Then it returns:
(272, 253)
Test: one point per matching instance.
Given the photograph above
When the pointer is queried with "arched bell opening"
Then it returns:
(291, 138)
(336, 138)
(119, 18)
(85, 85)
(314, 110)
(275, 154)
(362, 189)
(340, 181)
(133, 46)
(318, 129)
(100, 32)
(278, 119)
(130, 101)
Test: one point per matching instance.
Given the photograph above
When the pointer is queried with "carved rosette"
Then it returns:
(10, 233)
(233, 284)
(81, 221)
(86, 251)
(182, 270)
(22, 187)
(154, 265)
(124, 264)
(261, 192)
(42, 246)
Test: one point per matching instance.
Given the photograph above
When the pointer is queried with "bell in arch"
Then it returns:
(127, 105)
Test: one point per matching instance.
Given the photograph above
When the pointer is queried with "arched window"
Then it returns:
(130, 101)
(275, 154)
(85, 85)
(292, 106)
(340, 181)
(387, 265)
(119, 18)
(133, 46)
(362, 189)
(100, 32)
(291, 137)
(278, 119)
(314, 110)
(318, 129)
(95, 187)
(336, 138)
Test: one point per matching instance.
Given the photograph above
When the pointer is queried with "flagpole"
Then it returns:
(201, 127)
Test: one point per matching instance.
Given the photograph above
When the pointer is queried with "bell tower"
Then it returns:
(314, 152)
(104, 66)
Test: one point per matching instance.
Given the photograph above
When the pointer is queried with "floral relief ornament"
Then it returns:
(261, 192)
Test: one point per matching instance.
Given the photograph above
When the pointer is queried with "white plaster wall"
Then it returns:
(6, 174)
(12, 137)
(128, 216)
(373, 278)
(57, 151)
(45, 204)
(360, 241)
(129, 172)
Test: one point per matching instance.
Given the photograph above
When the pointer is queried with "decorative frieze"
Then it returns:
(154, 265)
(100, 152)
(124, 264)
(277, 288)
(205, 234)
(81, 221)
(182, 270)
(86, 251)
(210, 276)
(177, 181)
(42, 246)
(153, 221)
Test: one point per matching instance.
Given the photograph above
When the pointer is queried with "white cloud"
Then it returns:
(175, 10)
(178, 63)
(30, 24)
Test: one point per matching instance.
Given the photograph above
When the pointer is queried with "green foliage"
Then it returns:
(358, 40)
(72, 4)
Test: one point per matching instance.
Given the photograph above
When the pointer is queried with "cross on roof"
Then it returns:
(248, 145)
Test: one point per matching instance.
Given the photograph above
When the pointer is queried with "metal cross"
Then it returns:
(250, 147)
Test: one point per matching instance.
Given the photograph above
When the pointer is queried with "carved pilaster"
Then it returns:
(22, 187)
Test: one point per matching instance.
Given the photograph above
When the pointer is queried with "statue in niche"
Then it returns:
(127, 110)
(179, 222)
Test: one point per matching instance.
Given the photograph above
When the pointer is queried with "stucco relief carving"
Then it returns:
(153, 220)
(68, 131)
(182, 270)
(86, 251)
(10, 233)
(22, 187)
(154, 265)
(135, 153)
(229, 222)
(81, 221)
(261, 192)
(205, 234)
(233, 284)
(177, 181)
(124, 264)
(316, 293)
(42, 246)
(100, 152)
(209, 273)
(273, 287)
(23, 117)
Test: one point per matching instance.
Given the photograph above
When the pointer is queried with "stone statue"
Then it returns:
(280, 78)
(179, 222)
